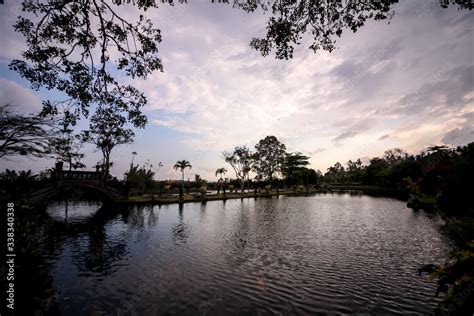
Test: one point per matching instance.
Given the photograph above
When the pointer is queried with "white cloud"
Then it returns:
(21, 99)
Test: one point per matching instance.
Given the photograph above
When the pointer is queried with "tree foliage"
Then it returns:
(67, 148)
(240, 160)
(140, 178)
(294, 166)
(323, 20)
(221, 172)
(335, 173)
(269, 157)
(108, 130)
(182, 165)
(220, 183)
(26, 135)
(77, 47)
(456, 280)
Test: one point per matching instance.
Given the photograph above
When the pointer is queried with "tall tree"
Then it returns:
(354, 170)
(107, 130)
(269, 158)
(221, 172)
(78, 48)
(335, 173)
(26, 135)
(67, 147)
(182, 165)
(240, 160)
(374, 170)
(395, 155)
(294, 164)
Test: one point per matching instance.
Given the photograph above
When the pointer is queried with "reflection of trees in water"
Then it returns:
(140, 216)
(34, 291)
(239, 238)
(93, 250)
(181, 229)
(101, 252)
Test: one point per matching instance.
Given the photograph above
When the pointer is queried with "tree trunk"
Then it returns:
(107, 166)
(182, 183)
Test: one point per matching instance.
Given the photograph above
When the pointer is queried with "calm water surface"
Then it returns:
(336, 254)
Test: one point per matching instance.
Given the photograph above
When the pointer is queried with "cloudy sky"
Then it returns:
(406, 84)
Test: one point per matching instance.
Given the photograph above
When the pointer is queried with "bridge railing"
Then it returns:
(78, 175)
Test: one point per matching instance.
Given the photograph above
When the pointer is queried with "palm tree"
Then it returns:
(133, 156)
(220, 171)
(182, 164)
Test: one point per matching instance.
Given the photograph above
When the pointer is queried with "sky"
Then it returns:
(408, 83)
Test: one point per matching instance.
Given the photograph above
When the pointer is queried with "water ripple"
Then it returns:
(292, 255)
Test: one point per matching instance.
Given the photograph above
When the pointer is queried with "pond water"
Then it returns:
(336, 254)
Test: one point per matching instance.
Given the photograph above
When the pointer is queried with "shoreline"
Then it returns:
(368, 190)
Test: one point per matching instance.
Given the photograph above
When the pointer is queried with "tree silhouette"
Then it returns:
(354, 170)
(221, 171)
(26, 135)
(395, 155)
(269, 157)
(139, 178)
(107, 130)
(323, 20)
(67, 147)
(295, 165)
(182, 165)
(335, 173)
(240, 160)
(70, 45)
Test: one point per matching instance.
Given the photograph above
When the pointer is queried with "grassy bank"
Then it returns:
(369, 190)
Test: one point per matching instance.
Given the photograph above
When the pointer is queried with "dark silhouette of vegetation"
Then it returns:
(69, 49)
(220, 182)
(269, 157)
(139, 178)
(182, 165)
(240, 160)
(455, 279)
(294, 167)
(323, 20)
(271, 165)
(26, 135)
(15, 184)
(442, 173)
(67, 148)
(107, 130)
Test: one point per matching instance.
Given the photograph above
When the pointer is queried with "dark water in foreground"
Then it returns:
(337, 254)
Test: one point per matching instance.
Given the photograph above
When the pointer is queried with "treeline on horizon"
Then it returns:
(438, 171)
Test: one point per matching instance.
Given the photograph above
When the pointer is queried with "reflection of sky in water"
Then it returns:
(72, 211)
(290, 255)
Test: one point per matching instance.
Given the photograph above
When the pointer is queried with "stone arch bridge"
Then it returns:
(72, 180)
